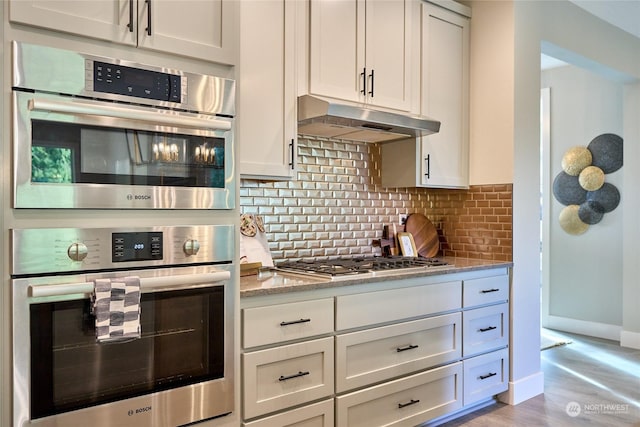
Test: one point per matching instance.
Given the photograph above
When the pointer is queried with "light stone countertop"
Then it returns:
(280, 283)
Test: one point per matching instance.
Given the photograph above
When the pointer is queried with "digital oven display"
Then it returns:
(122, 80)
(136, 246)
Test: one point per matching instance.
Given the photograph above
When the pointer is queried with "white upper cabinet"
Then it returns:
(201, 29)
(440, 160)
(267, 89)
(361, 51)
(445, 97)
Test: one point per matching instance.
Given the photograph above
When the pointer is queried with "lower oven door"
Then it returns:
(178, 372)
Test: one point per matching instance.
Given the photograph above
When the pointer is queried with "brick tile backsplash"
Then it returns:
(337, 207)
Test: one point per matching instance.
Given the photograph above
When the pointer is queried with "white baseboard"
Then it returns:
(583, 327)
(630, 339)
(523, 389)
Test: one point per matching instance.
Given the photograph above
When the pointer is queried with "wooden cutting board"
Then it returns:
(424, 234)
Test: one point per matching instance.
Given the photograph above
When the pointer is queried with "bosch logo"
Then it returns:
(138, 197)
(136, 411)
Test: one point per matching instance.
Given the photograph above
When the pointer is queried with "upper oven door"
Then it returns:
(79, 153)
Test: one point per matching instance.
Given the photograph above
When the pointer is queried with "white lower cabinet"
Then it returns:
(378, 354)
(404, 402)
(273, 324)
(367, 356)
(319, 414)
(486, 376)
(392, 305)
(286, 376)
(485, 329)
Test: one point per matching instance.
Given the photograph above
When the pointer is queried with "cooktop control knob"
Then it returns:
(191, 247)
(77, 251)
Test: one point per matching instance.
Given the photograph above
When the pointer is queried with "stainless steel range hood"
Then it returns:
(317, 117)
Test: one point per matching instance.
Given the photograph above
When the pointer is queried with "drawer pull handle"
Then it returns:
(411, 402)
(290, 377)
(490, 328)
(409, 347)
(294, 322)
(486, 291)
(489, 375)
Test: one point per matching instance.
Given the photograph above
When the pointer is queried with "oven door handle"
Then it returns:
(147, 284)
(156, 116)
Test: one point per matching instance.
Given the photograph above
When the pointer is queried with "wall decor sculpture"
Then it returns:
(581, 186)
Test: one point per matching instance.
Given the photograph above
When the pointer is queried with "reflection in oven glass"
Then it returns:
(182, 343)
(75, 153)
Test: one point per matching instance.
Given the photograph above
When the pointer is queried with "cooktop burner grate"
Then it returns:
(358, 265)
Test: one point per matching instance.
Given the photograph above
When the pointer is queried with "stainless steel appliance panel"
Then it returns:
(46, 69)
(75, 152)
(64, 250)
(181, 369)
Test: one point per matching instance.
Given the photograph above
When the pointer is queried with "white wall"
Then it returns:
(585, 271)
(516, 106)
(630, 335)
(567, 32)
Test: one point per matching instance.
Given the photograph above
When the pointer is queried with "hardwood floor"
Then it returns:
(598, 381)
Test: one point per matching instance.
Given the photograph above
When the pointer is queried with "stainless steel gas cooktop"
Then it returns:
(343, 268)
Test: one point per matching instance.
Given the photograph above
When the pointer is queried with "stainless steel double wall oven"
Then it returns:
(103, 133)
(92, 133)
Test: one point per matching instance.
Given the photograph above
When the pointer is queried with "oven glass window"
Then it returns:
(75, 153)
(182, 343)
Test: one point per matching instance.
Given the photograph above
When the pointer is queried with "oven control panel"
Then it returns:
(59, 250)
(136, 246)
(121, 80)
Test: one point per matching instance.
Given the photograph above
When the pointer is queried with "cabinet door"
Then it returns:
(316, 415)
(278, 323)
(445, 97)
(378, 354)
(336, 57)
(485, 290)
(290, 375)
(266, 89)
(485, 329)
(408, 401)
(391, 305)
(485, 376)
(113, 20)
(388, 54)
(197, 28)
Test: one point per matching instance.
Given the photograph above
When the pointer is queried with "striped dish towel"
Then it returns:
(117, 308)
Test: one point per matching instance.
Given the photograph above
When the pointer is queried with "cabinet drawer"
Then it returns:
(487, 290)
(378, 354)
(353, 311)
(485, 375)
(285, 322)
(405, 402)
(284, 376)
(485, 329)
(317, 415)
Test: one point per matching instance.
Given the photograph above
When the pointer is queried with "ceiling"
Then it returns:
(624, 14)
